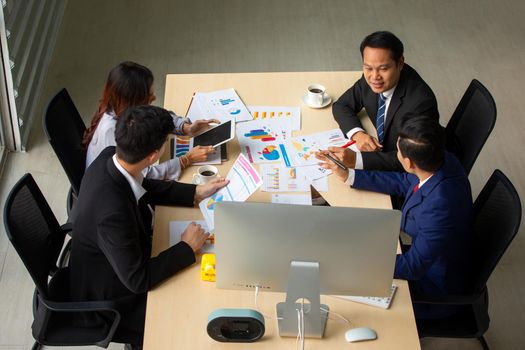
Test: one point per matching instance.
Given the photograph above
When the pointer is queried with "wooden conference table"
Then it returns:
(177, 310)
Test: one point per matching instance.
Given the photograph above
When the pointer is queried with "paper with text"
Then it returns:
(278, 178)
(277, 113)
(263, 141)
(301, 149)
(221, 104)
(177, 228)
(244, 181)
(300, 199)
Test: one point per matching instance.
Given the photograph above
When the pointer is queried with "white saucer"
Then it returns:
(326, 101)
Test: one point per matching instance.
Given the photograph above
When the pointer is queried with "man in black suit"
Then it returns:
(111, 247)
(390, 91)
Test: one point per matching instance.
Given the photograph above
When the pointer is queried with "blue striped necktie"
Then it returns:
(380, 119)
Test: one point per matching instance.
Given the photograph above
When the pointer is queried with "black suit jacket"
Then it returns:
(411, 97)
(111, 247)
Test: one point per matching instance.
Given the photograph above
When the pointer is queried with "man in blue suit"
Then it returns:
(437, 211)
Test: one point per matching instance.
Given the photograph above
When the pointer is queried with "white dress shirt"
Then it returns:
(134, 183)
(359, 158)
(104, 136)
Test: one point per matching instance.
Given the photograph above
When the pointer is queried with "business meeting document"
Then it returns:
(277, 113)
(315, 172)
(301, 149)
(299, 199)
(181, 145)
(244, 181)
(278, 178)
(221, 104)
(177, 228)
(263, 141)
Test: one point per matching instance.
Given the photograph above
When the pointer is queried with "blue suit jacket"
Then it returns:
(438, 217)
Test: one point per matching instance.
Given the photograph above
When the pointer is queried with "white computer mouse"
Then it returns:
(360, 334)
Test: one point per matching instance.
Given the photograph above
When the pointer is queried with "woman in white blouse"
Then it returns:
(131, 84)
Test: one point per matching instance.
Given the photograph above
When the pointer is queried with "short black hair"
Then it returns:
(422, 140)
(140, 131)
(384, 40)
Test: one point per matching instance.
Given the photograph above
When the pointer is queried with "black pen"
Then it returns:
(337, 162)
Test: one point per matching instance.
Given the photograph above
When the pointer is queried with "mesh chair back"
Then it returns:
(471, 124)
(497, 219)
(64, 128)
(33, 230)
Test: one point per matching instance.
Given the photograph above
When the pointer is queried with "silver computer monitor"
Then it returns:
(354, 248)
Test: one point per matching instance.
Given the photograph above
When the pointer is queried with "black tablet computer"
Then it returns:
(216, 136)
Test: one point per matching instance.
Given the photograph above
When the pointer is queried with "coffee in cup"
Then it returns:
(316, 94)
(205, 174)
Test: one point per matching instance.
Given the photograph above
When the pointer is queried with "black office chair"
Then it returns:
(497, 219)
(38, 239)
(64, 128)
(471, 124)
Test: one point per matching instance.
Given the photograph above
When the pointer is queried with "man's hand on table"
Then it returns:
(366, 143)
(206, 190)
(194, 236)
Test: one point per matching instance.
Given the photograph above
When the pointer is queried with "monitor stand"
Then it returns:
(303, 282)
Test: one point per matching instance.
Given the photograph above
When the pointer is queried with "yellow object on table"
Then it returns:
(208, 267)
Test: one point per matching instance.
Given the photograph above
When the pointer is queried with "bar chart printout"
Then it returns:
(181, 145)
(277, 113)
(278, 178)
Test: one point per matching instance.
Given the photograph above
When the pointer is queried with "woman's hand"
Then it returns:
(199, 126)
(199, 154)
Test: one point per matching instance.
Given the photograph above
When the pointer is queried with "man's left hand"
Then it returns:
(206, 190)
(345, 155)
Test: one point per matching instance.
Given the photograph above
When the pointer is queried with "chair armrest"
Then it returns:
(76, 306)
(88, 306)
(63, 259)
(461, 299)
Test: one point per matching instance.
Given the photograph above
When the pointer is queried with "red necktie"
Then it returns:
(416, 187)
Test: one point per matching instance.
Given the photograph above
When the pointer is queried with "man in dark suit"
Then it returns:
(390, 91)
(111, 247)
(437, 213)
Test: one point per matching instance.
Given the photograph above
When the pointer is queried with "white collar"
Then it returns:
(111, 113)
(135, 183)
(388, 93)
(421, 183)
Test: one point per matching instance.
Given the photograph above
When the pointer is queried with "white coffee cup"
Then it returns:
(205, 174)
(315, 94)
